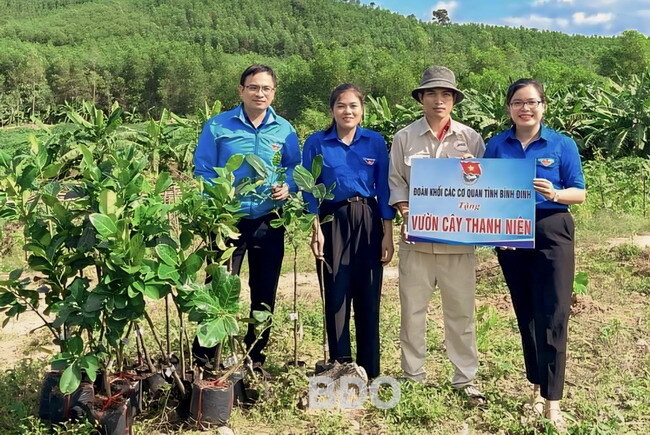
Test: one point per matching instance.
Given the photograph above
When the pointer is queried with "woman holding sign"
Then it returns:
(359, 240)
(541, 279)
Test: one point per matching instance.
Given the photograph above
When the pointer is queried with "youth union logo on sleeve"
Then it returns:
(276, 147)
(546, 161)
(471, 171)
(369, 161)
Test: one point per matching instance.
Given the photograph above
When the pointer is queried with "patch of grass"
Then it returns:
(608, 370)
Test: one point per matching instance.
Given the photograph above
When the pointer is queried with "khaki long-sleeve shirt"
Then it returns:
(417, 140)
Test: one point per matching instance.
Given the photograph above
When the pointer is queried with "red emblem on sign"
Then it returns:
(471, 168)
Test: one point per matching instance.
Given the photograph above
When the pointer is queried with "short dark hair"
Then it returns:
(256, 69)
(522, 83)
(340, 90)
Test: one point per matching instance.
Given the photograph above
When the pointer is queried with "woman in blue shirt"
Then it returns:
(358, 242)
(541, 279)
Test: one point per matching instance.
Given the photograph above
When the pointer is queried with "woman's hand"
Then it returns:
(544, 187)
(317, 243)
(387, 248)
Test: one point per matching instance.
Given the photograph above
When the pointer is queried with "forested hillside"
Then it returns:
(150, 54)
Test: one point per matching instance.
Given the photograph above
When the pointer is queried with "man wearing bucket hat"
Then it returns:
(422, 266)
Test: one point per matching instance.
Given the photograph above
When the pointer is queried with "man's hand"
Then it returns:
(280, 192)
(404, 231)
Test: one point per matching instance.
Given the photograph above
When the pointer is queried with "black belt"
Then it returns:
(362, 199)
(328, 207)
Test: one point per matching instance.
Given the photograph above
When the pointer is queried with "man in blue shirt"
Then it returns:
(253, 127)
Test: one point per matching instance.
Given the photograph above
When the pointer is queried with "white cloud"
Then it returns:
(537, 21)
(580, 18)
(541, 2)
(449, 6)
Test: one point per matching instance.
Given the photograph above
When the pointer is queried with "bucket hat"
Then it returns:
(438, 77)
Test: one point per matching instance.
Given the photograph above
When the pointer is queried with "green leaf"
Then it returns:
(70, 379)
(27, 177)
(75, 345)
(234, 162)
(320, 191)
(192, 264)
(258, 165)
(317, 166)
(162, 183)
(87, 239)
(5, 159)
(261, 316)
(94, 302)
(107, 202)
(580, 283)
(229, 290)
(87, 156)
(303, 178)
(90, 364)
(167, 254)
(168, 272)
(156, 291)
(186, 239)
(211, 333)
(137, 248)
(52, 170)
(103, 224)
(15, 274)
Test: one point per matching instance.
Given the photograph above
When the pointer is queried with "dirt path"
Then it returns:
(23, 338)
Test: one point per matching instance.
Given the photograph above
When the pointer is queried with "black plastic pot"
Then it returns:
(152, 384)
(131, 389)
(114, 419)
(239, 388)
(64, 407)
(183, 401)
(211, 404)
(50, 381)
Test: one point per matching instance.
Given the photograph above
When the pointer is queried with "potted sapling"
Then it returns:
(215, 308)
(298, 223)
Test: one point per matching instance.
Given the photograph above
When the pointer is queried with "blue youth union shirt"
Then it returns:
(360, 168)
(556, 159)
(231, 133)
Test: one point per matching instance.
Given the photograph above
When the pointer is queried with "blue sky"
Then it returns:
(586, 17)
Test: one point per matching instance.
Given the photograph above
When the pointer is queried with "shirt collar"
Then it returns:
(543, 134)
(424, 127)
(269, 118)
(331, 134)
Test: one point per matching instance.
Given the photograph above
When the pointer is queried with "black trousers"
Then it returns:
(540, 282)
(265, 246)
(353, 276)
